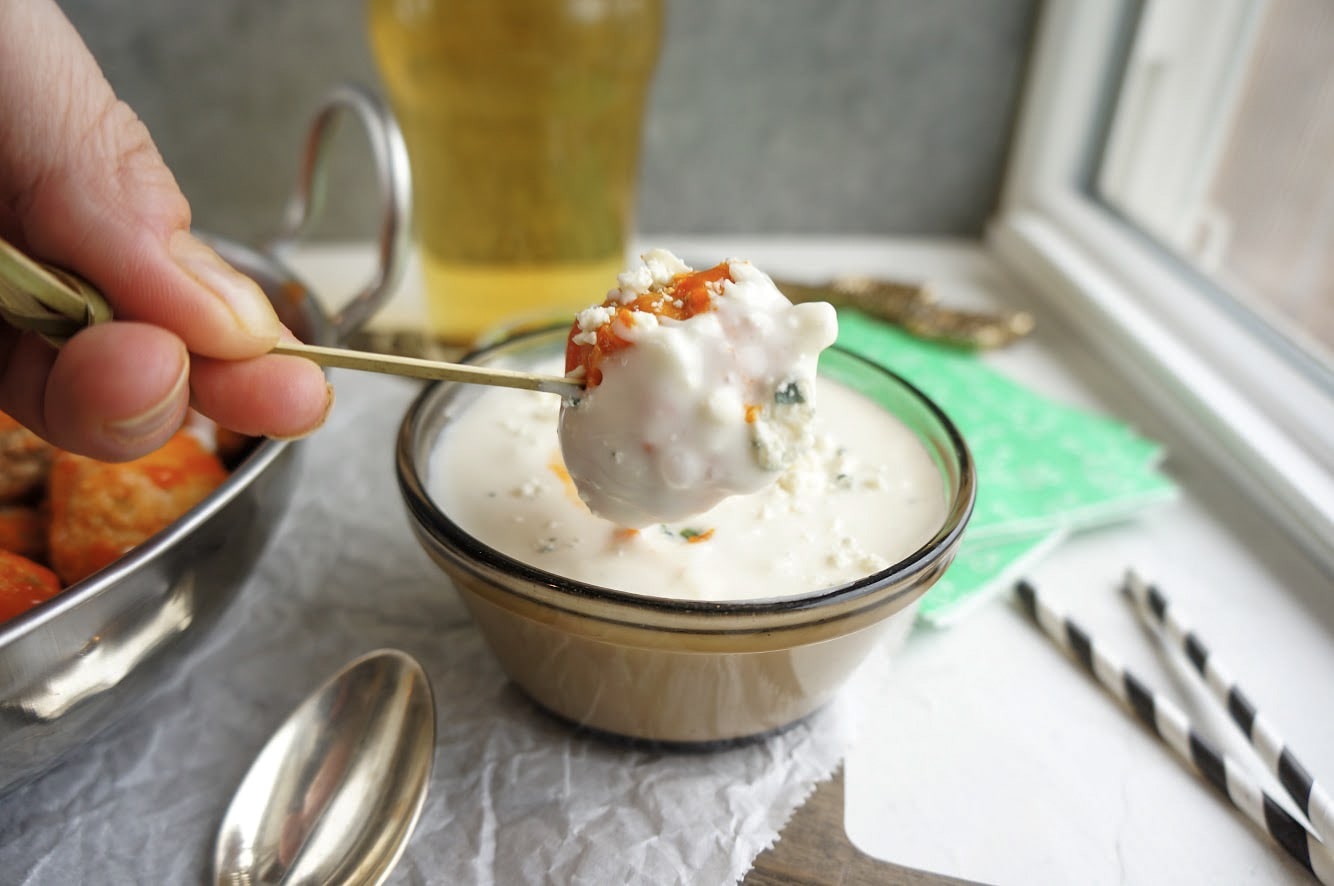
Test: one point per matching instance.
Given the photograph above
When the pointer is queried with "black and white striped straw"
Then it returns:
(1259, 730)
(1173, 727)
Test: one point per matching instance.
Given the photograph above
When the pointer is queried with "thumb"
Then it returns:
(84, 188)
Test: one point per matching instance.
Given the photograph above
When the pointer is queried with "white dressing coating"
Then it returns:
(865, 495)
(694, 410)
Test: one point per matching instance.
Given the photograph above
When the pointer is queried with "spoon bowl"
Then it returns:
(336, 792)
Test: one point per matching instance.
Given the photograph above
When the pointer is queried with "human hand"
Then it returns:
(82, 186)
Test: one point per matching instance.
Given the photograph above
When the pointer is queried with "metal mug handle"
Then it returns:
(394, 180)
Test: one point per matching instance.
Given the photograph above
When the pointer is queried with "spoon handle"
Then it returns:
(430, 369)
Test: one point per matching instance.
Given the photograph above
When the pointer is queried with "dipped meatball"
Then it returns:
(99, 511)
(699, 385)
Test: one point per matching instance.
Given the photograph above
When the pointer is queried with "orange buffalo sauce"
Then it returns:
(99, 510)
(686, 295)
(23, 584)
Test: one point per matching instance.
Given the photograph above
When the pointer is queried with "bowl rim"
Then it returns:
(429, 518)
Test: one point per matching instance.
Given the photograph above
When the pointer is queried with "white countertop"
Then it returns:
(992, 756)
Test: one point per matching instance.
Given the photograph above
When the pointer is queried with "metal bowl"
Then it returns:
(74, 665)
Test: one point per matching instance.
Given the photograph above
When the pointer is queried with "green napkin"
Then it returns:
(1044, 468)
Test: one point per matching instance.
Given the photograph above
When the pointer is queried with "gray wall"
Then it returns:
(768, 116)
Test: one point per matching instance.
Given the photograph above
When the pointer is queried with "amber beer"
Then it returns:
(522, 120)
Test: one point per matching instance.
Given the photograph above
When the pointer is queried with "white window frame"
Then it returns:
(1198, 361)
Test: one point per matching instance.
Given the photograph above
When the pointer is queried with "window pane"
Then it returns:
(1222, 147)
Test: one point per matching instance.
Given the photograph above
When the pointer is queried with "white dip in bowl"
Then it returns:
(865, 495)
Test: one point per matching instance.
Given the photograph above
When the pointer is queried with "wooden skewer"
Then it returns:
(431, 369)
(55, 303)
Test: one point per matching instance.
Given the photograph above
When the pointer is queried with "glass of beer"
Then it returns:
(523, 124)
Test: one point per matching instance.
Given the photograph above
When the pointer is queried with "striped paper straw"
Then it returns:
(1173, 727)
(1259, 730)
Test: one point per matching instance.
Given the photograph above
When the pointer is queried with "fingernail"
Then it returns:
(167, 413)
(241, 295)
(328, 408)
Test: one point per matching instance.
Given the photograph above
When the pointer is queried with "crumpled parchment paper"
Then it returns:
(515, 796)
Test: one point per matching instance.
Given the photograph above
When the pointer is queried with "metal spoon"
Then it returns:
(336, 792)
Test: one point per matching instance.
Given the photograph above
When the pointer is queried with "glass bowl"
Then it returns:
(679, 671)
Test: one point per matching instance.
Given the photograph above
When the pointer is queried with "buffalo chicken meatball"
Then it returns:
(23, 531)
(25, 460)
(99, 511)
(23, 584)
